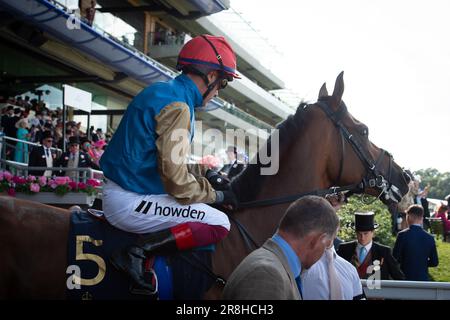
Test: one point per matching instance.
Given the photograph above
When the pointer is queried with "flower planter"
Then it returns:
(70, 198)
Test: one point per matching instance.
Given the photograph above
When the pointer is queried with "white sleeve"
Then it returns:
(356, 283)
(315, 282)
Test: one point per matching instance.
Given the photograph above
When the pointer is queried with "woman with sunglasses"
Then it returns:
(149, 189)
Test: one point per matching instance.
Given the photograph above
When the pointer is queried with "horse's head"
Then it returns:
(354, 158)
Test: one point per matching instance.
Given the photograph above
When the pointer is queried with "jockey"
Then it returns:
(149, 189)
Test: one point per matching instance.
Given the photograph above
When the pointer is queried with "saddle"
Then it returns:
(90, 275)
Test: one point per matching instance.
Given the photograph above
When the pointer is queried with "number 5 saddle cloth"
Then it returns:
(90, 275)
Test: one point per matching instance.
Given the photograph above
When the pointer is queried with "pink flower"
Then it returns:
(93, 182)
(82, 185)
(210, 161)
(52, 184)
(19, 180)
(62, 180)
(72, 185)
(11, 192)
(7, 175)
(34, 187)
(31, 178)
(43, 181)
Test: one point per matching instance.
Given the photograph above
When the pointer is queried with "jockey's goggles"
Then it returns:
(223, 82)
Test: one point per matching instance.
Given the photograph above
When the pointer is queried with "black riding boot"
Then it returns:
(131, 260)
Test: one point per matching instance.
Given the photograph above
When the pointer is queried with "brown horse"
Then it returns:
(321, 146)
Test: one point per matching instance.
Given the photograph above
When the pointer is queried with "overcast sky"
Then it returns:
(396, 58)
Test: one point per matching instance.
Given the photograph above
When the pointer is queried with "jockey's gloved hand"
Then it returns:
(217, 181)
(227, 199)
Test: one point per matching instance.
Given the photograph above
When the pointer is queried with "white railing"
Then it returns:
(23, 168)
(406, 290)
(4, 139)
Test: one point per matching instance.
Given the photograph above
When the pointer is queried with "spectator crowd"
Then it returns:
(31, 121)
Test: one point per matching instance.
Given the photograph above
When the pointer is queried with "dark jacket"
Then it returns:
(84, 161)
(37, 159)
(389, 266)
(9, 128)
(415, 249)
(232, 169)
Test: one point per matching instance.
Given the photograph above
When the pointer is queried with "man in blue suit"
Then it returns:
(415, 248)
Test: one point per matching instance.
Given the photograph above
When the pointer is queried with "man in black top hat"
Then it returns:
(43, 156)
(364, 252)
(74, 158)
(98, 135)
(233, 168)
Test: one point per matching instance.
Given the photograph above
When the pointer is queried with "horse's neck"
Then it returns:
(261, 222)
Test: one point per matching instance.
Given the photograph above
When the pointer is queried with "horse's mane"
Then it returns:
(247, 185)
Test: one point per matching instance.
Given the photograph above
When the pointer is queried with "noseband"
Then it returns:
(373, 177)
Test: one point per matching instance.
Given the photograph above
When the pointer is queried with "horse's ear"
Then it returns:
(323, 92)
(338, 91)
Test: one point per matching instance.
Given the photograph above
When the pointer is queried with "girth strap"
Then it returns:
(194, 261)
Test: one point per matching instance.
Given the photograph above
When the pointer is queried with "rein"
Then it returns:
(291, 198)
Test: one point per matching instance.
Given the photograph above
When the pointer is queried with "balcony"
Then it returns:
(117, 54)
(264, 105)
(165, 46)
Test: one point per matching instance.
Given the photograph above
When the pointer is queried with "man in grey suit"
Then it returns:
(272, 272)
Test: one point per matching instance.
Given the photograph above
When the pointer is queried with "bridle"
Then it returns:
(373, 178)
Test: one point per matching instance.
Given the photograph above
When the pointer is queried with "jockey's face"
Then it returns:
(212, 77)
(364, 237)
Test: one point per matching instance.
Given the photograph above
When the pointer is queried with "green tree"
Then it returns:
(383, 234)
(439, 182)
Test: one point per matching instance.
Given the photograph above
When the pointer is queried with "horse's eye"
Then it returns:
(365, 132)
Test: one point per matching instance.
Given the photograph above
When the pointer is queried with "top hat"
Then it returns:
(74, 140)
(83, 140)
(46, 134)
(364, 221)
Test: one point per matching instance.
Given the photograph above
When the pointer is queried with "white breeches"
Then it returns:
(139, 213)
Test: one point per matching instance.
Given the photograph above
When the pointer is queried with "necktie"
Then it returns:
(335, 283)
(46, 152)
(362, 254)
(299, 285)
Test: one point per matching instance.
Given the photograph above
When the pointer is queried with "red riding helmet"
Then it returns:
(211, 52)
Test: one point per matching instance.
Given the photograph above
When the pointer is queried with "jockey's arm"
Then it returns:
(197, 169)
(177, 180)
